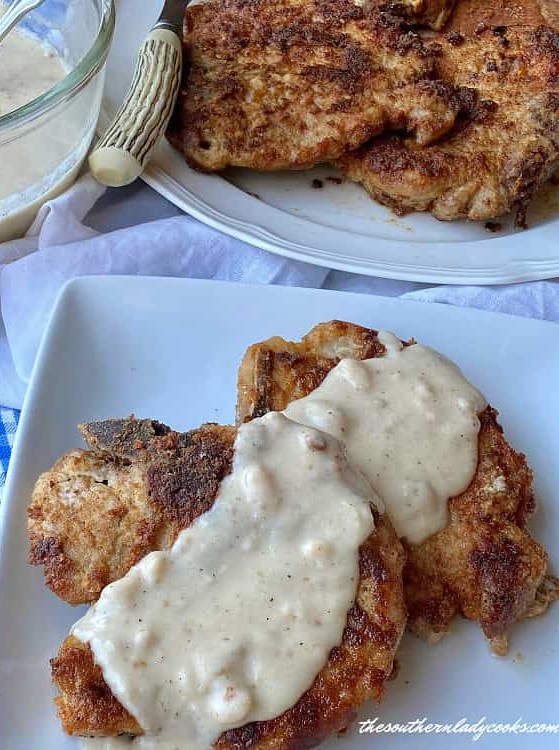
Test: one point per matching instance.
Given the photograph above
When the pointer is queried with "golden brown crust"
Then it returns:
(85, 703)
(96, 513)
(485, 564)
(502, 149)
(286, 84)
(355, 672)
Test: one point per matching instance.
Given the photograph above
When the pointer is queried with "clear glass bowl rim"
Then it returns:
(85, 70)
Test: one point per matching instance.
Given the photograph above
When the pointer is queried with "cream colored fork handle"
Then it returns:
(122, 153)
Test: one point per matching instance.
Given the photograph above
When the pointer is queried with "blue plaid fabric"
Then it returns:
(8, 425)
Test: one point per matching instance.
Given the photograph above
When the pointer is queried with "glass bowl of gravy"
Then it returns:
(52, 68)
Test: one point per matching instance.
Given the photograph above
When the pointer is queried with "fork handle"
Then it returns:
(123, 151)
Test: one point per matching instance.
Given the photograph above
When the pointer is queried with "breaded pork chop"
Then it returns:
(97, 512)
(356, 670)
(286, 84)
(484, 564)
(503, 148)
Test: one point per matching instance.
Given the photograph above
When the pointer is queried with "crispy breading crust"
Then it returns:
(86, 705)
(96, 513)
(502, 149)
(484, 564)
(287, 84)
(355, 672)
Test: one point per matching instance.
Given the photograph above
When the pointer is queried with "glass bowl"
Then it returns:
(44, 142)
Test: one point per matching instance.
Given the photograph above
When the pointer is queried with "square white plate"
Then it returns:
(169, 348)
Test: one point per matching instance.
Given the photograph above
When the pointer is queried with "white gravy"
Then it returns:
(204, 637)
(40, 159)
(28, 68)
(409, 421)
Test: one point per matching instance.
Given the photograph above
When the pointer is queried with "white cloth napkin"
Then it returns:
(60, 246)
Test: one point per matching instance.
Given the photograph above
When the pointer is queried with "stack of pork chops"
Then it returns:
(432, 105)
(97, 512)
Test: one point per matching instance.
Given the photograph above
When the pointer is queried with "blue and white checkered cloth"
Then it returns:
(8, 425)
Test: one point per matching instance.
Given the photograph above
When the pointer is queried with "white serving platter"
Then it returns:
(169, 348)
(337, 226)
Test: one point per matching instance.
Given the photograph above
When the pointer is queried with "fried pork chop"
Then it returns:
(503, 148)
(98, 512)
(177, 477)
(484, 564)
(287, 84)
(356, 671)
